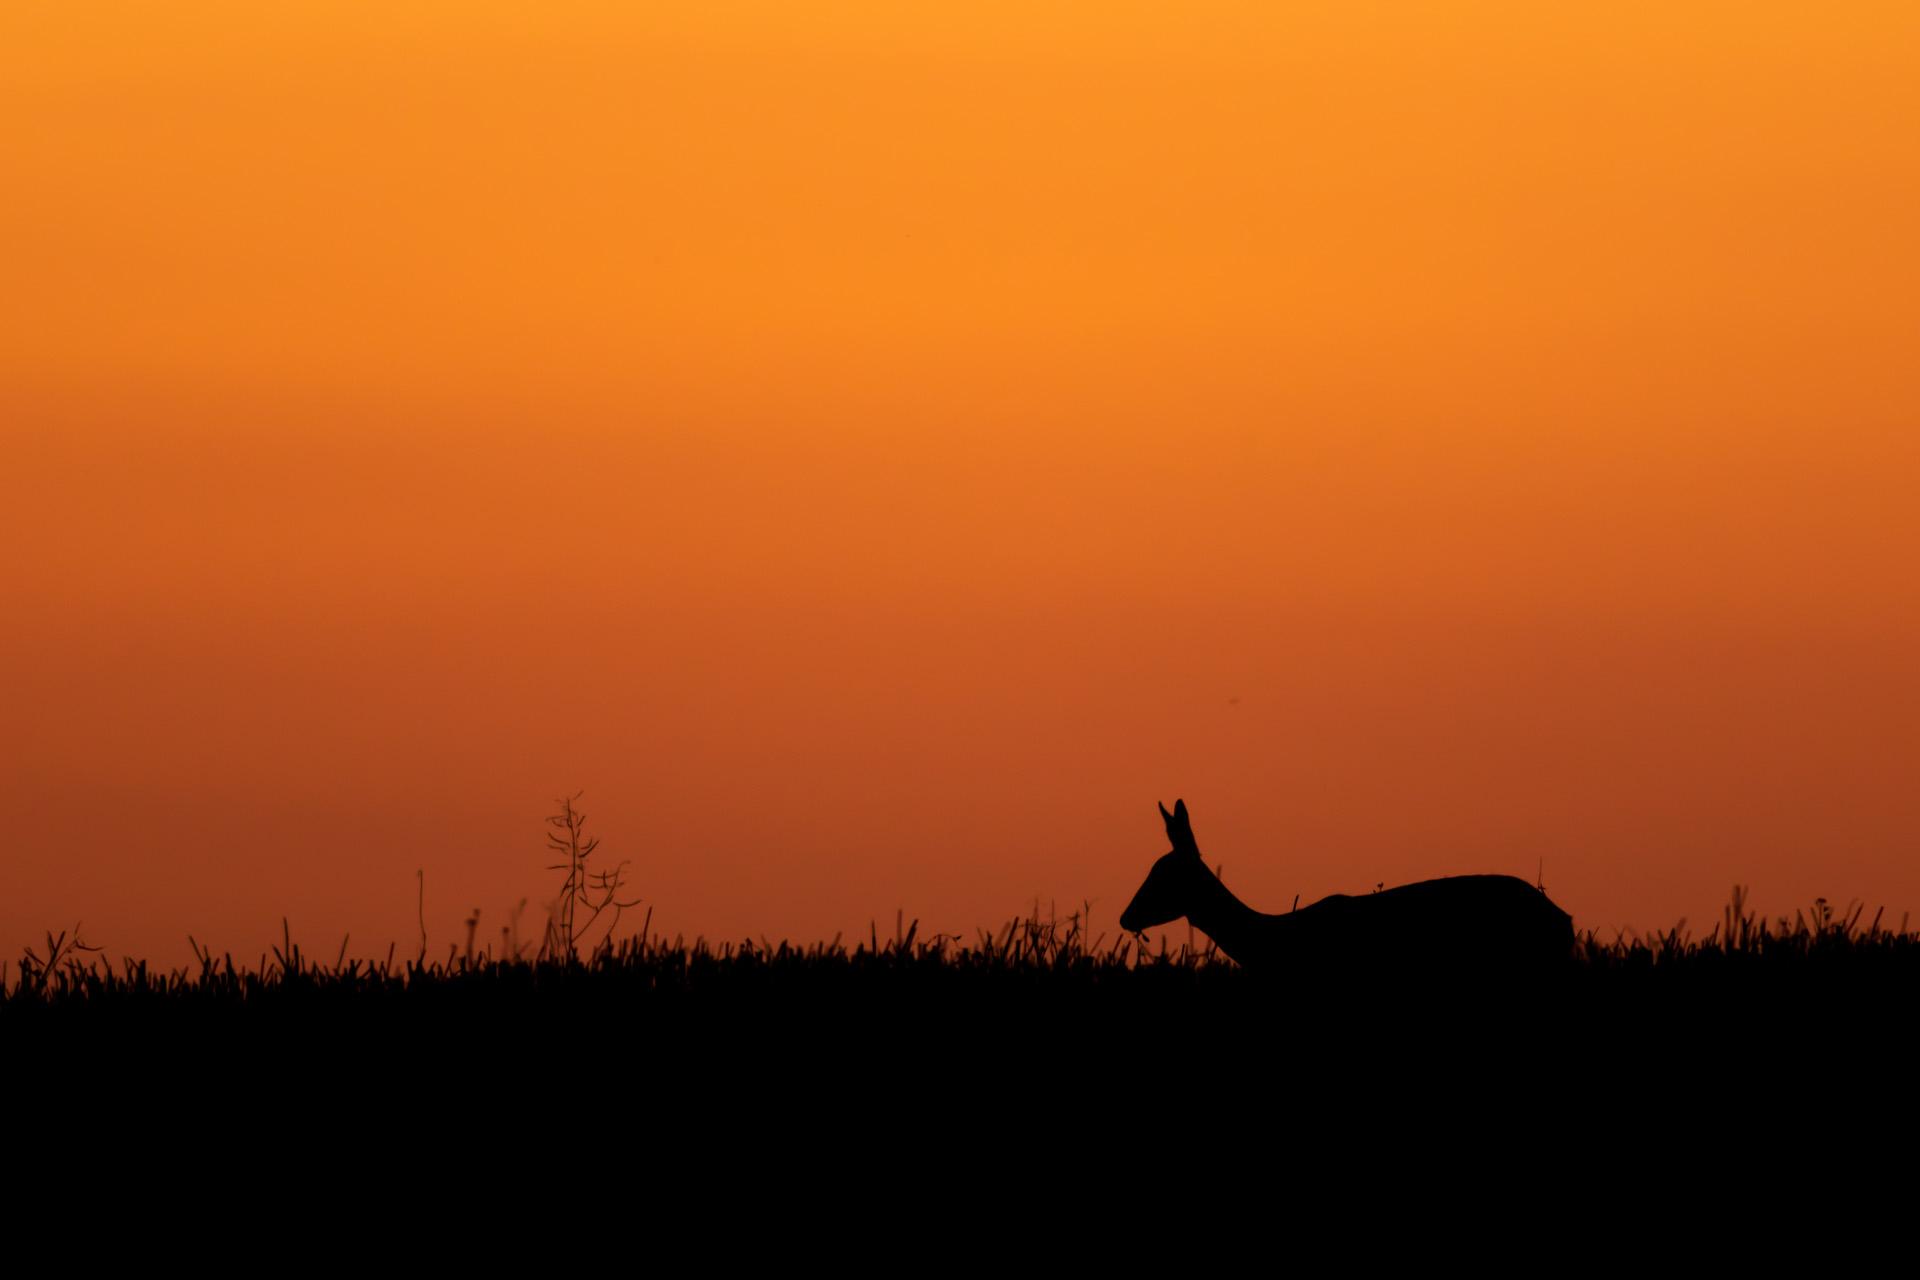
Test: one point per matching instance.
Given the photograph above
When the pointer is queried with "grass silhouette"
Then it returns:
(939, 1069)
(977, 1059)
(1821, 953)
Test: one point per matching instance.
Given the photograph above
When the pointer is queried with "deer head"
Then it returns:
(1171, 885)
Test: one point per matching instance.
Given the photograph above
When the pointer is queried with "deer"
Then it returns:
(1486, 922)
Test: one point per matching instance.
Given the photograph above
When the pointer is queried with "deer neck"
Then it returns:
(1243, 933)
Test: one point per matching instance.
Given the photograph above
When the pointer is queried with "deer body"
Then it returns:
(1484, 921)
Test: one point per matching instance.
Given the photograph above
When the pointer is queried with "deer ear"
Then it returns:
(1179, 828)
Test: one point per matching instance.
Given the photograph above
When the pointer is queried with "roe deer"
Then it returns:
(1489, 921)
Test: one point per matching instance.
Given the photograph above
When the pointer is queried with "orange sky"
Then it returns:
(879, 450)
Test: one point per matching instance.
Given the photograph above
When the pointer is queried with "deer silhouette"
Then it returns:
(1493, 922)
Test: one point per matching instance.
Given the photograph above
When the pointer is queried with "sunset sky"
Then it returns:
(878, 450)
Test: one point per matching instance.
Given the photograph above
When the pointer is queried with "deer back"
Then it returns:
(1488, 919)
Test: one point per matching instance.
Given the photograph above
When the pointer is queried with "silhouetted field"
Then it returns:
(1032, 1048)
(1025, 966)
(1030, 1018)
(1014, 1084)
(1014, 1088)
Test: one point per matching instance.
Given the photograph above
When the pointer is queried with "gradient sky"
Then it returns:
(879, 450)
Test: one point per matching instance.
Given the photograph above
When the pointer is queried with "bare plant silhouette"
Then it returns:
(63, 952)
(597, 891)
